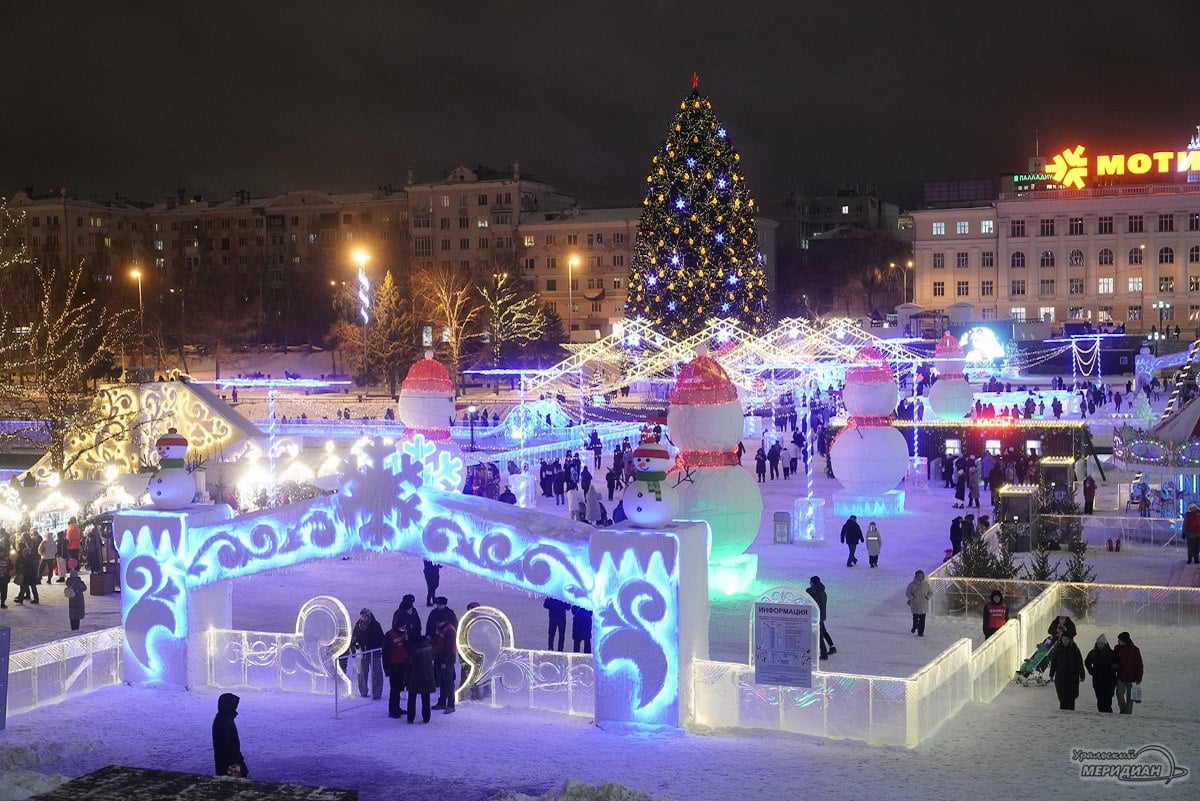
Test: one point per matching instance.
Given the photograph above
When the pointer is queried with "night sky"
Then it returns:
(141, 98)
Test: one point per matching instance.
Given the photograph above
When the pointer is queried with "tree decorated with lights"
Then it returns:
(697, 254)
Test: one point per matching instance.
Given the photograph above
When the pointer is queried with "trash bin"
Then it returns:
(783, 528)
(104, 583)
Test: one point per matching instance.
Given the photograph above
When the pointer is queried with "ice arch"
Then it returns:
(648, 588)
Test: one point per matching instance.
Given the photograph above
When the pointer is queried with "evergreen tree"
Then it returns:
(1039, 567)
(696, 255)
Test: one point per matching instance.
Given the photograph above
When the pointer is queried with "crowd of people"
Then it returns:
(40, 558)
(414, 660)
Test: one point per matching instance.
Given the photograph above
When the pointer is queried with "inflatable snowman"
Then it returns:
(649, 502)
(705, 421)
(172, 486)
(426, 409)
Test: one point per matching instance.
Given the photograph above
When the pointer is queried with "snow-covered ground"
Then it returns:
(1017, 745)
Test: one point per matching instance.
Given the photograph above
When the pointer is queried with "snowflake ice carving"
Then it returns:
(440, 469)
(379, 498)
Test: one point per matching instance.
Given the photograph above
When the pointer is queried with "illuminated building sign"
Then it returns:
(1073, 167)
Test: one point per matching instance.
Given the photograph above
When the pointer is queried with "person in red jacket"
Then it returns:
(395, 665)
(1129, 671)
(1191, 530)
(74, 540)
(995, 614)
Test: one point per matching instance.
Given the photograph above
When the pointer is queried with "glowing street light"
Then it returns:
(137, 274)
(361, 257)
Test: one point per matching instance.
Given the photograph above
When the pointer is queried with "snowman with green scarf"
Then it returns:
(649, 502)
(172, 486)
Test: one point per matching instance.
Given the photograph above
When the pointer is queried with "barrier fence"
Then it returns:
(50, 673)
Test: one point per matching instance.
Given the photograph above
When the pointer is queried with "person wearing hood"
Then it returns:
(1066, 670)
(918, 594)
(956, 537)
(75, 591)
(227, 747)
(1103, 664)
(995, 614)
(1129, 671)
(368, 638)
(816, 591)
(874, 544)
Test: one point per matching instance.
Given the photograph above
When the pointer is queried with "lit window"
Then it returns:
(1104, 286)
(987, 226)
(1135, 284)
(939, 229)
(962, 227)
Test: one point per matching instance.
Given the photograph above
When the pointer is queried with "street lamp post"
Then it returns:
(361, 257)
(1157, 334)
(471, 421)
(571, 262)
(137, 274)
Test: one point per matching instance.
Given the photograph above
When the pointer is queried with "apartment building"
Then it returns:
(1124, 250)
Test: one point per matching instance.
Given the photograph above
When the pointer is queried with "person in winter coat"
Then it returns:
(406, 617)
(918, 594)
(816, 591)
(1066, 670)
(1191, 531)
(851, 535)
(1129, 671)
(368, 638)
(433, 577)
(581, 629)
(421, 677)
(74, 542)
(960, 484)
(956, 538)
(445, 657)
(773, 460)
(441, 611)
(395, 665)
(1103, 664)
(1061, 625)
(6, 574)
(874, 543)
(74, 591)
(48, 551)
(27, 575)
(227, 747)
(973, 481)
(995, 614)
(556, 610)
(760, 465)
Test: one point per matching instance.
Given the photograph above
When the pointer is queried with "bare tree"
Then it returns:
(52, 349)
(511, 313)
(449, 300)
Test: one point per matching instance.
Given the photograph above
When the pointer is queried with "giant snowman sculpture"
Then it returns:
(870, 457)
(171, 486)
(427, 408)
(950, 397)
(705, 422)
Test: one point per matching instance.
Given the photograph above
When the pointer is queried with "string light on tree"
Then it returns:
(697, 248)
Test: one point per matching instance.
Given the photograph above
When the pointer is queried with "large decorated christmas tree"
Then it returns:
(697, 253)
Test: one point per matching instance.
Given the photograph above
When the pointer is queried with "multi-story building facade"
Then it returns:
(1104, 255)
(59, 230)
(283, 258)
(1105, 238)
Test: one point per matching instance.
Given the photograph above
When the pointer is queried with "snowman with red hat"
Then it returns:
(172, 486)
(648, 501)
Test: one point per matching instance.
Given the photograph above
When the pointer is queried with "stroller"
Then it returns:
(1033, 669)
